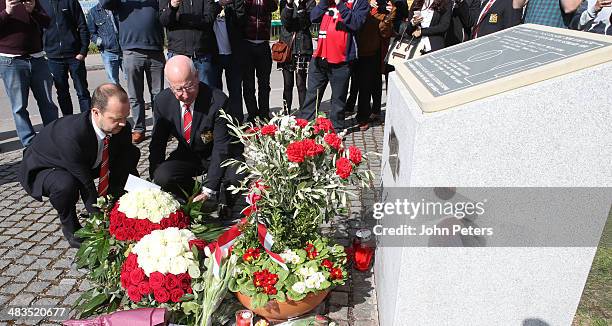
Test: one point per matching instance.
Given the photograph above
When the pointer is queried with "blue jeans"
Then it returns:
(60, 67)
(204, 65)
(233, 77)
(113, 62)
(19, 75)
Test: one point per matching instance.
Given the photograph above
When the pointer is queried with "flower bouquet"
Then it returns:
(300, 175)
(156, 269)
(137, 213)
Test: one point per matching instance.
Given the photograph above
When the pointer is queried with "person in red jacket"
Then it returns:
(258, 57)
(331, 62)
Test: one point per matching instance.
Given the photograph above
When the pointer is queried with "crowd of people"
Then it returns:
(43, 42)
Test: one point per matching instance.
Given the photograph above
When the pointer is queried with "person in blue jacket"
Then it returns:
(104, 30)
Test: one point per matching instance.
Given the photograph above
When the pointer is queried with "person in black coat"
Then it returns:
(430, 25)
(189, 111)
(295, 30)
(68, 154)
(484, 19)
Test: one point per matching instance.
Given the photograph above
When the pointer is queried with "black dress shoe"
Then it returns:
(75, 242)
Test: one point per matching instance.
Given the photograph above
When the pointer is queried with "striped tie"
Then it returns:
(187, 124)
(104, 173)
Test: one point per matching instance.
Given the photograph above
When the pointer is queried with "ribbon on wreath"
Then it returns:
(227, 239)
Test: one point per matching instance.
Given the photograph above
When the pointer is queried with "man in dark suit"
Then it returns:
(488, 16)
(189, 110)
(68, 154)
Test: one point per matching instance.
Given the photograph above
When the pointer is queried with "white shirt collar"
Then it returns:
(99, 133)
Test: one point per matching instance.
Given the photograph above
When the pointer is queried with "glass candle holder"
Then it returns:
(244, 318)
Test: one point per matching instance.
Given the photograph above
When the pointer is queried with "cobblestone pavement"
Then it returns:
(36, 263)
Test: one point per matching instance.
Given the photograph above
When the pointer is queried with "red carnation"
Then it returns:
(296, 152)
(161, 295)
(137, 275)
(144, 288)
(302, 123)
(323, 124)
(268, 130)
(125, 279)
(176, 294)
(333, 140)
(134, 293)
(199, 243)
(355, 154)
(312, 148)
(157, 280)
(343, 167)
(172, 282)
(270, 289)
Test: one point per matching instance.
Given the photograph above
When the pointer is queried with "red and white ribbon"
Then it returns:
(266, 240)
(227, 239)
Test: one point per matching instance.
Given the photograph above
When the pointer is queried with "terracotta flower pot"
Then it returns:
(274, 310)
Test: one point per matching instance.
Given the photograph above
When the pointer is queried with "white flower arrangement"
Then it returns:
(166, 251)
(151, 204)
(291, 257)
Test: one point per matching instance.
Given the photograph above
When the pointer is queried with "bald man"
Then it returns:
(189, 111)
(70, 153)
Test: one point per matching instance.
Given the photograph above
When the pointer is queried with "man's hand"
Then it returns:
(417, 20)
(203, 196)
(80, 57)
(600, 4)
(175, 3)
(29, 5)
(417, 33)
(10, 6)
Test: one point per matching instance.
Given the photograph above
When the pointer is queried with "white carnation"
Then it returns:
(306, 271)
(290, 257)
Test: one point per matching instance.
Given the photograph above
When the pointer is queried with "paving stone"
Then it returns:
(365, 323)
(23, 299)
(71, 299)
(62, 289)
(37, 287)
(49, 275)
(13, 288)
(61, 264)
(4, 263)
(14, 270)
(364, 311)
(25, 277)
(338, 298)
(40, 263)
(38, 249)
(338, 313)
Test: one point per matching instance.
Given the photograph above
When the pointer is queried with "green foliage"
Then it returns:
(103, 256)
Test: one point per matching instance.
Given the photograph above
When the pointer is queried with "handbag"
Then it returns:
(281, 51)
(403, 49)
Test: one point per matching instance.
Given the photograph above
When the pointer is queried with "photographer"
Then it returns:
(295, 31)
(336, 50)
(429, 20)
(594, 16)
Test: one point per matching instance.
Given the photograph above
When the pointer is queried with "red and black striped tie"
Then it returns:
(104, 172)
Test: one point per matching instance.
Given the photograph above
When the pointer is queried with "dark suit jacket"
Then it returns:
(206, 122)
(499, 17)
(70, 144)
(459, 29)
(436, 30)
